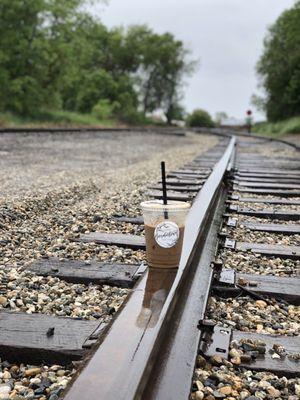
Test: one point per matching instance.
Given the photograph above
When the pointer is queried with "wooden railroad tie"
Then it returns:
(278, 192)
(268, 250)
(100, 273)
(266, 200)
(285, 229)
(259, 177)
(275, 286)
(157, 194)
(267, 185)
(242, 180)
(185, 171)
(215, 341)
(267, 213)
(183, 175)
(288, 166)
(24, 338)
(129, 220)
(114, 239)
(176, 188)
(183, 182)
(264, 171)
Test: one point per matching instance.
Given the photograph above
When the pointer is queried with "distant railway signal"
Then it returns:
(249, 121)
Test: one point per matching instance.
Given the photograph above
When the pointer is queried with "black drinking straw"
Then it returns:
(164, 186)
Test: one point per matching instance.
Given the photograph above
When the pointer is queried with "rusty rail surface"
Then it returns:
(150, 348)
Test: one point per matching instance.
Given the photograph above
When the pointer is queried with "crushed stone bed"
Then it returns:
(26, 292)
(58, 196)
(39, 162)
(256, 264)
(42, 382)
(243, 234)
(246, 314)
(267, 207)
(218, 379)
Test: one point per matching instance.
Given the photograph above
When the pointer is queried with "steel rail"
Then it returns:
(162, 130)
(141, 355)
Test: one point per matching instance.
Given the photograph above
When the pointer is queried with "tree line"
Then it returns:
(279, 67)
(55, 55)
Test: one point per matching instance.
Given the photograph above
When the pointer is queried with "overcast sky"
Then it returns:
(225, 35)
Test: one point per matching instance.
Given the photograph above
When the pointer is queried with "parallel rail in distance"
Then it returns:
(132, 352)
(163, 130)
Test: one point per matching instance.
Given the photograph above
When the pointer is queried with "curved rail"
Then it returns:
(149, 349)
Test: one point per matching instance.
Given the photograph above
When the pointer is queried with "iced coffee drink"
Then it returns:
(164, 231)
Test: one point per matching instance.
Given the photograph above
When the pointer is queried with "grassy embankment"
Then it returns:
(54, 118)
(288, 126)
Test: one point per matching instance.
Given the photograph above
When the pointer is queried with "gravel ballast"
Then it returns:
(248, 263)
(219, 379)
(55, 187)
(22, 381)
(245, 314)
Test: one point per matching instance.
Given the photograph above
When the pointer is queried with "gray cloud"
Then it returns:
(226, 36)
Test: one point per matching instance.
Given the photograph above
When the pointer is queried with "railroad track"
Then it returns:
(170, 321)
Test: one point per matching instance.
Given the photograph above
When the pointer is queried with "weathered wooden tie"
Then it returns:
(265, 175)
(216, 341)
(267, 200)
(268, 213)
(114, 239)
(284, 366)
(267, 166)
(174, 188)
(156, 194)
(183, 182)
(268, 250)
(285, 229)
(274, 179)
(24, 338)
(187, 175)
(266, 185)
(130, 220)
(186, 171)
(122, 275)
(264, 171)
(274, 286)
(278, 192)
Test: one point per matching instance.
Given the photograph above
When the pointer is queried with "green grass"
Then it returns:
(288, 126)
(54, 118)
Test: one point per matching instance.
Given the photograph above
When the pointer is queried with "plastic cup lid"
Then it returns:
(157, 205)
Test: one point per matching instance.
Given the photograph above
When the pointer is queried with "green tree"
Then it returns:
(162, 64)
(54, 55)
(21, 55)
(34, 51)
(200, 118)
(279, 66)
(101, 69)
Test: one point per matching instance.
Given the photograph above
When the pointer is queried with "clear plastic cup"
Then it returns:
(164, 231)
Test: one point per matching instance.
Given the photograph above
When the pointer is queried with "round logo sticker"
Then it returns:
(166, 234)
